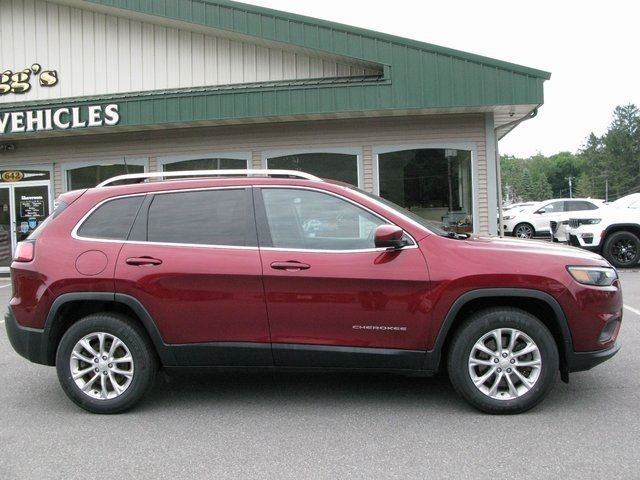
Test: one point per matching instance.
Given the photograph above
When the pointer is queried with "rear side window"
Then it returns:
(576, 205)
(207, 217)
(112, 220)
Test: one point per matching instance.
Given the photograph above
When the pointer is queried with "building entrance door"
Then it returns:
(22, 208)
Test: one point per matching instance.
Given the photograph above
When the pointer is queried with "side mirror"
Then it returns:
(389, 236)
(541, 211)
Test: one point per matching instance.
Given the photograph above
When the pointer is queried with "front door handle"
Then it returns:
(144, 261)
(290, 266)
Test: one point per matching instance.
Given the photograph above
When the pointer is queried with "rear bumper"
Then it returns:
(30, 343)
(581, 361)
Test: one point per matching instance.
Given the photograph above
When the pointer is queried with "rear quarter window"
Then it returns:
(111, 220)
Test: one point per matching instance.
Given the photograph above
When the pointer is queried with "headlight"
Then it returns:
(590, 221)
(599, 276)
(508, 217)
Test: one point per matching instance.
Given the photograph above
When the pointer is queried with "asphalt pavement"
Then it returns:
(281, 426)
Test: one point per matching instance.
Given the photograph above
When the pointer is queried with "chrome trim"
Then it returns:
(208, 173)
(75, 236)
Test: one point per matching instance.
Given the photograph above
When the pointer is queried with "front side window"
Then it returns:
(112, 220)
(309, 220)
(208, 217)
(555, 207)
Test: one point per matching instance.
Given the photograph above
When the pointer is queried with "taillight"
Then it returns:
(24, 252)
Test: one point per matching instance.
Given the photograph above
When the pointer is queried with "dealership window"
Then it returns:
(433, 183)
(206, 164)
(91, 175)
(334, 166)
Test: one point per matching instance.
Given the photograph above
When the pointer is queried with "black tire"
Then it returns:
(622, 249)
(140, 369)
(524, 230)
(476, 328)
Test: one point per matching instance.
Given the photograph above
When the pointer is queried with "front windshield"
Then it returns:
(429, 224)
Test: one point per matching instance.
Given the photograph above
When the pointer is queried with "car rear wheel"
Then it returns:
(523, 230)
(105, 363)
(503, 361)
(622, 249)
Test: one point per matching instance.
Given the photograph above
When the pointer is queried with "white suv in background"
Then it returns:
(536, 220)
(612, 231)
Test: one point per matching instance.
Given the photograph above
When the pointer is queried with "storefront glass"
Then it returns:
(433, 183)
(206, 164)
(334, 166)
(90, 176)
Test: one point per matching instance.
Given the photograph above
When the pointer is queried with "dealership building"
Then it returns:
(95, 88)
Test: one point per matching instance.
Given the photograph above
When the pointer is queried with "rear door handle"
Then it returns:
(290, 266)
(144, 261)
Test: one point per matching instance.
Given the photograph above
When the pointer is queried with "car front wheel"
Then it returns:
(523, 230)
(503, 361)
(622, 249)
(105, 363)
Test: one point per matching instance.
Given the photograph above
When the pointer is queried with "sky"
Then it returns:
(590, 47)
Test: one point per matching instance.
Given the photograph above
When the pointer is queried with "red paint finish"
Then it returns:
(460, 266)
(200, 294)
(197, 294)
(327, 303)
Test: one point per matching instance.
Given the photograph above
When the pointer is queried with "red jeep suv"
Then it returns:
(279, 269)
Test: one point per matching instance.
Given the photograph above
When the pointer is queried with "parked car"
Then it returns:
(630, 201)
(612, 232)
(278, 269)
(536, 220)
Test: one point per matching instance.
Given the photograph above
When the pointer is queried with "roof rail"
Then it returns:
(208, 173)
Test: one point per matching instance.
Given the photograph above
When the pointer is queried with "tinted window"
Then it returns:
(304, 219)
(211, 217)
(112, 220)
(575, 205)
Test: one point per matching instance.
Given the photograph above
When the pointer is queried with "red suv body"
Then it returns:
(298, 273)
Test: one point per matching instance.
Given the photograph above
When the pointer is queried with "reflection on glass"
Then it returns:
(432, 183)
(89, 177)
(333, 166)
(206, 164)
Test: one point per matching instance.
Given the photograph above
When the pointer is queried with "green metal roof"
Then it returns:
(416, 75)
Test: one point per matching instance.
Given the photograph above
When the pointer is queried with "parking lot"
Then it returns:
(256, 425)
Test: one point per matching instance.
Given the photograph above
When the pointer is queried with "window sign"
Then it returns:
(32, 206)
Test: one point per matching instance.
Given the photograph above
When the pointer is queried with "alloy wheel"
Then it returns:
(505, 364)
(624, 251)
(101, 366)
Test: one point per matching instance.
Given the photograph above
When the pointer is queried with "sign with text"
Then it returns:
(20, 82)
(64, 118)
(32, 206)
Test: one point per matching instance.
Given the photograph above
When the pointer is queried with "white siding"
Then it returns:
(97, 54)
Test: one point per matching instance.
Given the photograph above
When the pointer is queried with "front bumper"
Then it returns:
(30, 343)
(581, 361)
